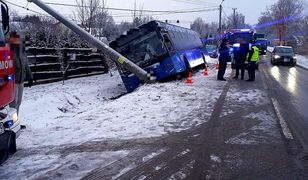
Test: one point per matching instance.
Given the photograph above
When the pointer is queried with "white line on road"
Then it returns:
(285, 129)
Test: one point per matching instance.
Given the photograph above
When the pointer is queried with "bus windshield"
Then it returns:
(144, 50)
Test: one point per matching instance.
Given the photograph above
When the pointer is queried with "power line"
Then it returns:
(140, 10)
(26, 8)
(35, 12)
(196, 2)
(199, 2)
(146, 12)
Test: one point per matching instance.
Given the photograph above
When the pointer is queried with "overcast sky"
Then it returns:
(250, 8)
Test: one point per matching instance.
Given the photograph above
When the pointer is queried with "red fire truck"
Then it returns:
(9, 124)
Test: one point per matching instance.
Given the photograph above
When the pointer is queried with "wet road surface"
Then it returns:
(289, 85)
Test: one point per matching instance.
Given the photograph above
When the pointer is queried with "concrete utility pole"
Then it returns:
(234, 18)
(220, 12)
(114, 55)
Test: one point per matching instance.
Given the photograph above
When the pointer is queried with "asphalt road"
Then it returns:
(289, 85)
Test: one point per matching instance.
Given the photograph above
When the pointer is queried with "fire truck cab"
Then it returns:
(237, 37)
(9, 123)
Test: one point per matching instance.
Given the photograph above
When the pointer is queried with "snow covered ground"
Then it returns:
(85, 109)
(302, 61)
(81, 109)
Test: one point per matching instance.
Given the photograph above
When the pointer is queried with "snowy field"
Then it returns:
(87, 110)
(82, 109)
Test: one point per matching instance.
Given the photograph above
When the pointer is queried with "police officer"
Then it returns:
(240, 57)
(224, 57)
(252, 59)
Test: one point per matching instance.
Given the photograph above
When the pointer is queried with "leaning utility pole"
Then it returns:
(114, 55)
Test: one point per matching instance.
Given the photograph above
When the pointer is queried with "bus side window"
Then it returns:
(168, 43)
(166, 38)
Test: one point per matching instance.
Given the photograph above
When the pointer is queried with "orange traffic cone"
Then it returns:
(217, 66)
(206, 72)
(189, 80)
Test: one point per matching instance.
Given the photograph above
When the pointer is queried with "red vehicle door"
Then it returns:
(6, 76)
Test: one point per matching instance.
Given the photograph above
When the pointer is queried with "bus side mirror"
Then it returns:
(5, 18)
(166, 38)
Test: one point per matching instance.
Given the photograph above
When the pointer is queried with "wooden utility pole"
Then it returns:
(220, 13)
(234, 18)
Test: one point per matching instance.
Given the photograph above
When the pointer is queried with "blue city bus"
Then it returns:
(163, 50)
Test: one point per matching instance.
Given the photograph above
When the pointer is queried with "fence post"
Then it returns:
(35, 63)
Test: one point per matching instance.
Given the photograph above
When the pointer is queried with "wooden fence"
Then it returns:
(50, 64)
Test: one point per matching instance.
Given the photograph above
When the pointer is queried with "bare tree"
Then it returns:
(236, 21)
(86, 10)
(264, 23)
(43, 31)
(286, 13)
(200, 26)
(139, 17)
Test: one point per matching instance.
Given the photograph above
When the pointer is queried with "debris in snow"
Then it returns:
(158, 167)
(125, 170)
(152, 155)
(215, 158)
(183, 172)
(184, 152)
(142, 177)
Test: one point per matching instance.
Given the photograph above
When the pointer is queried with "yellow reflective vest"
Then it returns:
(255, 55)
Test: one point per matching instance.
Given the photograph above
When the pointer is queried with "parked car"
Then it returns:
(212, 50)
(283, 55)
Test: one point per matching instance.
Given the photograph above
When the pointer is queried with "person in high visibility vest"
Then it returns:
(252, 58)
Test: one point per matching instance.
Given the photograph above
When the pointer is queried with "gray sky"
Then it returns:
(249, 8)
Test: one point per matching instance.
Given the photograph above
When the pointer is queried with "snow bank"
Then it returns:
(302, 61)
(81, 110)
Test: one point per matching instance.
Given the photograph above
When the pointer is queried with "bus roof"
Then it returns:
(145, 29)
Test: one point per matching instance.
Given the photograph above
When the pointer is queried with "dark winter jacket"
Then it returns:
(241, 54)
(244, 49)
(224, 55)
(22, 69)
